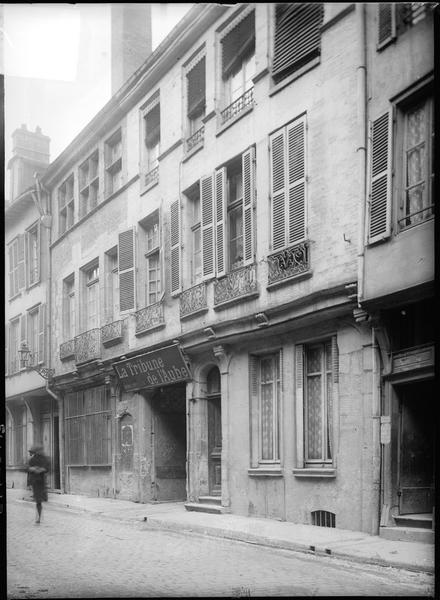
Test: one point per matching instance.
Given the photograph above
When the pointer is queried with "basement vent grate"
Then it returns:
(323, 518)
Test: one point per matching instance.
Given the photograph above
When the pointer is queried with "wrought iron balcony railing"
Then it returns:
(149, 317)
(236, 285)
(247, 99)
(67, 350)
(195, 139)
(111, 333)
(288, 263)
(88, 346)
(152, 176)
(193, 300)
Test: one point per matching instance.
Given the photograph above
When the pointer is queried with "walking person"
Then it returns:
(37, 468)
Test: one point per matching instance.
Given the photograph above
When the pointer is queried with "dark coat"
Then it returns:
(38, 466)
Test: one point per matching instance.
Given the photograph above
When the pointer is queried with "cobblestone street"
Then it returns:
(71, 555)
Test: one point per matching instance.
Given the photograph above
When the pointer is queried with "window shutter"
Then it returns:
(23, 328)
(296, 156)
(126, 267)
(277, 182)
(380, 178)
(11, 270)
(299, 403)
(254, 409)
(297, 36)
(21, 262)
(386, 23)
(38, 271)
(248, 166)
(175, 246)
(7, 350)
(220, 220)
(207, 209)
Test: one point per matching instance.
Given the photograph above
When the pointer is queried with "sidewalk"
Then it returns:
(341, 543)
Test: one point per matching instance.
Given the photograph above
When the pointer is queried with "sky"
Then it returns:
(56, 61)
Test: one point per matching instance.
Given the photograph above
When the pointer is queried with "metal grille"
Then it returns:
(323, 518)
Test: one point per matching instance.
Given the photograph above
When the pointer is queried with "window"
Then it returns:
(193, 204)
(288, 184)
(150, 228)
(238, 65)
(19, 434)
(33, 254)
(265, 385)
(316, 373)
(113, 162)
(112, 285)
(9, 440)
(14, 345)
(88, 427)
(394, 18)
(66, 205)
(16, 256)
(36, 334)
(69, 308)
(227, 204)
(151, 118)
(91, 275)
(195, 86)
(297, 39)
(88, 184)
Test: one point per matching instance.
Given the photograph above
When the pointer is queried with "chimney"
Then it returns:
(131, 40)
(30, 151)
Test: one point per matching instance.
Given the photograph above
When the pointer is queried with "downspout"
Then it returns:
(376, 419)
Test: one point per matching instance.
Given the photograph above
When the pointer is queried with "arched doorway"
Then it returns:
(213, 397)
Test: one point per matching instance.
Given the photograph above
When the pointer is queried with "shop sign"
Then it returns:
(153, 369)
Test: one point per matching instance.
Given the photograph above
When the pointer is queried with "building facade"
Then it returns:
(214, 316)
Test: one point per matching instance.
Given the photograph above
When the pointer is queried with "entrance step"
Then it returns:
(210, 500)
(419, 521)
(408, 534)
(204, 507)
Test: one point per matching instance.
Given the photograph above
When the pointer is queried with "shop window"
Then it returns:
(113, 162)
(69, 308)
(265, 386)
(88, 431)
(89, 184)
(297, 41)
(66, 205)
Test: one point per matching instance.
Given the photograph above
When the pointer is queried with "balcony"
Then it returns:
(111, 333)
(234, 109)
(67, 350)
(88, 346)
(196, 139)
(288, 263)
(237, 285)
(152, 177)
(149, 318)
(193, 301)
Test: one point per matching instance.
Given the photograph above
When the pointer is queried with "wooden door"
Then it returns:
(215, 445)
(416, 449)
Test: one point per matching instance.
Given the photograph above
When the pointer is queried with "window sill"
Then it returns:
(288, 80)
(327, 473)
(234, 119)
(265, 472)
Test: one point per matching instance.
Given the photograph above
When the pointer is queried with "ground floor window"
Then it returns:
(88, 428)
(17, 428)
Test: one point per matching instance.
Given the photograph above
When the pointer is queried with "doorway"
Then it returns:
(50, 433)
(214, 432)
(416, 448)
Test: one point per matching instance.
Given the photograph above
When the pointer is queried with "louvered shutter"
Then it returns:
(299, 404)
(23, 329)
(297, 36)
(386, 23)
(126, 267)
(296, 176)
(42, 333)
(220, 221)
(11, 271)
(254, 409)
(21, 262)
(380, 178)
(278, 190)
(248, 167)
(207, 209)
(175, 245)
(7, 350)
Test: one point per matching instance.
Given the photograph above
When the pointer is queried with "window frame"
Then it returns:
(14, 345)
(91, 279)
(30, 231)
(88, 181)
(66, 204)
(194, 116)
(17, 267)
(69, 308)
(113, 162)
(150, 149)
(152, 251)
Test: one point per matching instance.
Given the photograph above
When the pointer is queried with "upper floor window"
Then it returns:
(234, 178)
(238, 66)
(113, 162)
(112, 284)
(69, 308)
(394, 18)
(88, 184)
(16, 259)
(14, 345)
(196, 83)
(297, 38)
(91, 306)
(150, 228)
(33, 254)
(36, 333)
(151, 119)
(66, 205)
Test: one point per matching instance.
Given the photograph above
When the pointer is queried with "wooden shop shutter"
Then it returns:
(175, 245)
(207, 210)
(297, 36)
(296, 181)
(126, 267)
(380, 178)
(220, 221)
(21, 262)
(41, 333)
(248, 167)
(386, 23)
(278, 191)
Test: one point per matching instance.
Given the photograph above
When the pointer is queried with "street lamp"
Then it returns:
(26, 357)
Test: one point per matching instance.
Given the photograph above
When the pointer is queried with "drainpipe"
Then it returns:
(377, 446)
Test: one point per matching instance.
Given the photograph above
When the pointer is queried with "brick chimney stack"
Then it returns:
(30, 151)
(131, 40)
